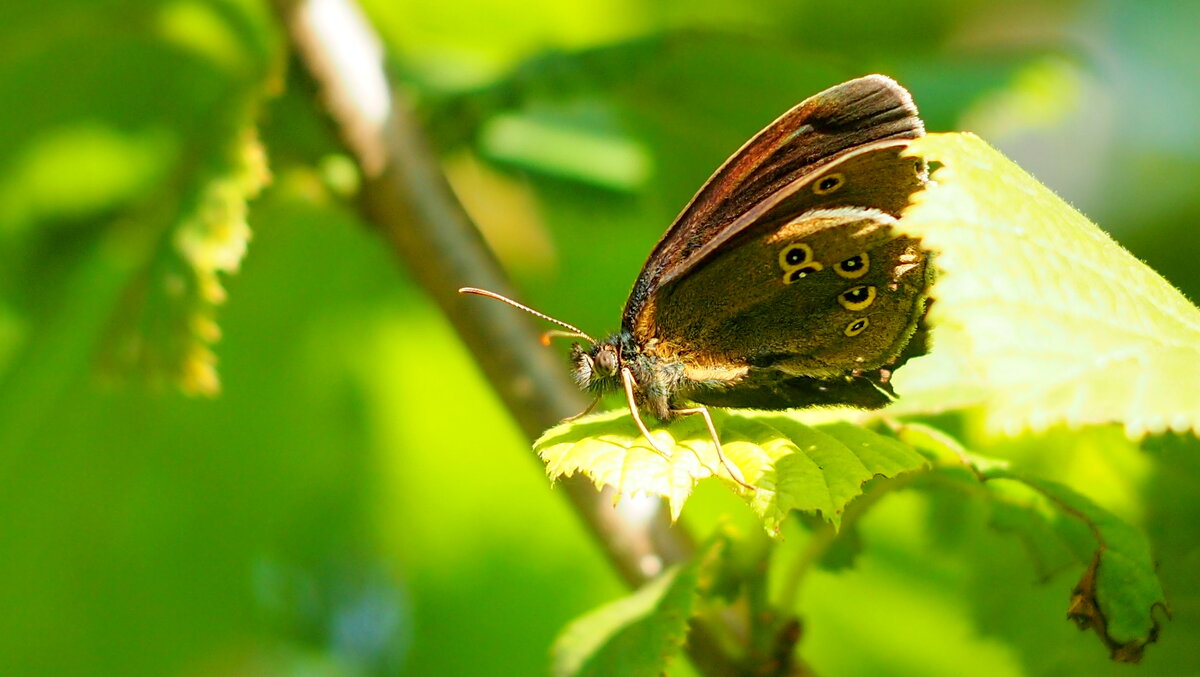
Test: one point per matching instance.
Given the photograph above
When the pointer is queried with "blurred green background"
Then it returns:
(354, 501)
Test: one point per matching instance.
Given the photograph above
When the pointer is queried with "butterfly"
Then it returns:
(782, 284)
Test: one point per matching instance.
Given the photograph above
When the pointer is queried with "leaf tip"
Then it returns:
(1084, 609)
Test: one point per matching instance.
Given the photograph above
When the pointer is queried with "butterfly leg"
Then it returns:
(733, 470)
(627, 381)
(585, 412)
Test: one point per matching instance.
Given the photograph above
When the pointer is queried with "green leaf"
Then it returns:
(639, 634)
(1120, 591)
(1039, 315)
(843, 552)
(1055, 540)
(794, 466)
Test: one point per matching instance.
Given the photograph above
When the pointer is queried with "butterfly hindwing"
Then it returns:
(788, 297)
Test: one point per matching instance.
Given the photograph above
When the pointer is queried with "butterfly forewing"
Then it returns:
(812, 134)
(877, 176)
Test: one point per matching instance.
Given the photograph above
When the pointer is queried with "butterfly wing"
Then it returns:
(793, 305)
(812, 134)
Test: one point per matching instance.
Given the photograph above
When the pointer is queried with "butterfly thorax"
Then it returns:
(598, 368)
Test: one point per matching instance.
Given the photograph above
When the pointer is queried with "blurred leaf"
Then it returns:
(79, 170)
(794, 466)
(843, 551)
(1053, 543)
(948, 87)
(167, 322)
(642, 633)
(1039, 314)
(561, 148)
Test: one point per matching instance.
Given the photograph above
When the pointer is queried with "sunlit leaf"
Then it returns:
(1039, 315)
(792, 465)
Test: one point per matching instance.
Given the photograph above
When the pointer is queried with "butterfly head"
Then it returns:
(596, 367)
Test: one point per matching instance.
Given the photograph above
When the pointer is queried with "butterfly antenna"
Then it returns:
(574, 331)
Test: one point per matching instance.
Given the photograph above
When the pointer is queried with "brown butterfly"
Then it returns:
(782, 283)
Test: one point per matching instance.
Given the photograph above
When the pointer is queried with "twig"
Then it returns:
(406, 195)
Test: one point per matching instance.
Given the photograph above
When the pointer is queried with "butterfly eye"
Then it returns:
(857, 298)
(606, 361)
(856, 327)
(854, 267)
(829, 184)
